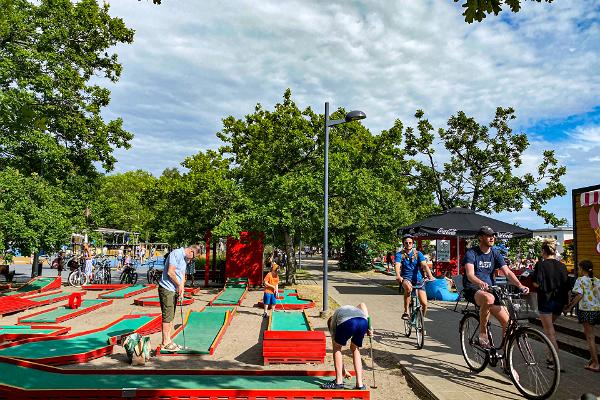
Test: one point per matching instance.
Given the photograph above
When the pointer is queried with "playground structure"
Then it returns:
(586, 226)
(203, 329)
(233, 293)
(290, 339)
(83, 346)
(288, 299)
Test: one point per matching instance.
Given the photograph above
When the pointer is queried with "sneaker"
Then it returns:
(332, 385)
(363, 387)
(405, 316)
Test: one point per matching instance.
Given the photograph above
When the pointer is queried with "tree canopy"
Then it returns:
(477, 10)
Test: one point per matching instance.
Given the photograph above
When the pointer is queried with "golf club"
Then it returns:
(374, 385)
(280, 302)
(180, 298)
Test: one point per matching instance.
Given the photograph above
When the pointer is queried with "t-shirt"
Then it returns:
(485, 265)
(176, 258)
(271, 279)
(589, 289)
(343, 314)
(551, 276)
(410, 265)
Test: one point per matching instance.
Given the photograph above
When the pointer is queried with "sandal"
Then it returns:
(332, 385)
(590, 368)
(171, 347)
(405, 316)
(363, 387)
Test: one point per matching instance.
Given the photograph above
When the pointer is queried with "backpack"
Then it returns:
(137, 348)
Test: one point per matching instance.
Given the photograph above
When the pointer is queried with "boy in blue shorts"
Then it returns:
(348, 322)
(271, 288)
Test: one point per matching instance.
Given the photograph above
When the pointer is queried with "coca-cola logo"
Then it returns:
(504, 235)
(449, 232)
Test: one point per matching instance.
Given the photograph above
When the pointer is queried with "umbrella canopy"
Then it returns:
(462, 222)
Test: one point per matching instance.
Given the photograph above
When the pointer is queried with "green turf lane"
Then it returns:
(287, 299)
(231, 295)
(289, 321)
(53, 315)
(120, 294)
(27, 378)
(37, 284)
(201, 330)
(75, 345)
(48, 297)
(23, 329)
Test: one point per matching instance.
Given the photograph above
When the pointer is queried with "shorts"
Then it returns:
(88, 267)
(168, 304)
(269, 298)
(470, 296)
(354, 328)
(550, 307)
(591, 317)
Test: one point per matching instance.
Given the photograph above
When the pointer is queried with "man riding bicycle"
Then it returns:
(408, 265)
(480, 263)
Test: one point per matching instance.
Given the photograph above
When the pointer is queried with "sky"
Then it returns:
(193, 63)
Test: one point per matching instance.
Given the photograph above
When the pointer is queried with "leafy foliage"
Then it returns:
(480, 174)
(476, 10)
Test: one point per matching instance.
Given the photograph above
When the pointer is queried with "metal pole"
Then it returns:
(326, 214)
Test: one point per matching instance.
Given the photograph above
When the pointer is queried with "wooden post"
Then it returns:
(207, 263)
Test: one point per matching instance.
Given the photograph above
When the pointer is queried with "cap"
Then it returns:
(486, 230)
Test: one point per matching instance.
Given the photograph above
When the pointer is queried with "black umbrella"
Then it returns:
(462, 222)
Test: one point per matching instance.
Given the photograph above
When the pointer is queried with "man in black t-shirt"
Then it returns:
(480, 264)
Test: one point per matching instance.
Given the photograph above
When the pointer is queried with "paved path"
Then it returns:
(439, 368)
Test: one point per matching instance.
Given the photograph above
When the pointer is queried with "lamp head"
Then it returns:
(355, 116)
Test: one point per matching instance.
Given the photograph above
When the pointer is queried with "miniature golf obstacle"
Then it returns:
(13, 304)
(36, 285)
(20, 379)
(59, 314)
(154, 301)
(288, 300)
(19, 332)
(191, 291)
(129, 291)
(75, 301)
(290, 339)
(233, 293)
(83, 346)
(203, 329)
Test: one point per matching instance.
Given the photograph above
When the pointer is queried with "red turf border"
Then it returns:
(108, 286)
(54, 300)
(55, 284)
(126, 295)
(151, 326)
(58, 330)
(192, 291)
(293, 347)
(141, 301)
(63, 318)
(285, 307)
(228, 317)
(239, 303)
(192, 394)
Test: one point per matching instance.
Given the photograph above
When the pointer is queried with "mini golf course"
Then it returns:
(19, 332)
(12, 304)
(83, 346)
(383, 269)
(290, 339)
(154, 301)
(232, 295)
(203, 331)
(26, 380)
(59, 314)
(128, 291)
(288, 300)
(36, 285)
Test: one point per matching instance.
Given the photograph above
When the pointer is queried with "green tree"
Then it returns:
(476, 10)
(120, 202)
(480, 173)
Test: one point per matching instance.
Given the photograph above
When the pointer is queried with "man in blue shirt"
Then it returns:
(480, 264)
(408, 265)
(170, 289)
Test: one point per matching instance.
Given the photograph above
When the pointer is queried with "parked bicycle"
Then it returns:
(526, 354)
(129, 275)
(415, 317)
(153, 275)
(77, 276)
(102, 271)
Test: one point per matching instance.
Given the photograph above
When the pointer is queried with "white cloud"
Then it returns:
(193, 63)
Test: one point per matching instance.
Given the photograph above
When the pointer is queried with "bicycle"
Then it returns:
(102, 271)
(129, 275)
(153, 275)
(527, 354)
(415, 316)
(77, 276)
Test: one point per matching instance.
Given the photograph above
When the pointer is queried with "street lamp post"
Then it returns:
(351, 116)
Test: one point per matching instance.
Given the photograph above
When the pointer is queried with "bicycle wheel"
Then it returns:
(533, 364)
(475, 357)
(77, 278)
(125, 278)
(407, 326)
(150, 275)
(419, 328)
(134, 278)
(107, 276)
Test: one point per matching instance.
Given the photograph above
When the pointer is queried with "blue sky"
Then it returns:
(194, 63)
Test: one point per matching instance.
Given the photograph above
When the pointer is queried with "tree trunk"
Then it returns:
(34, 264)
(290, 268)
